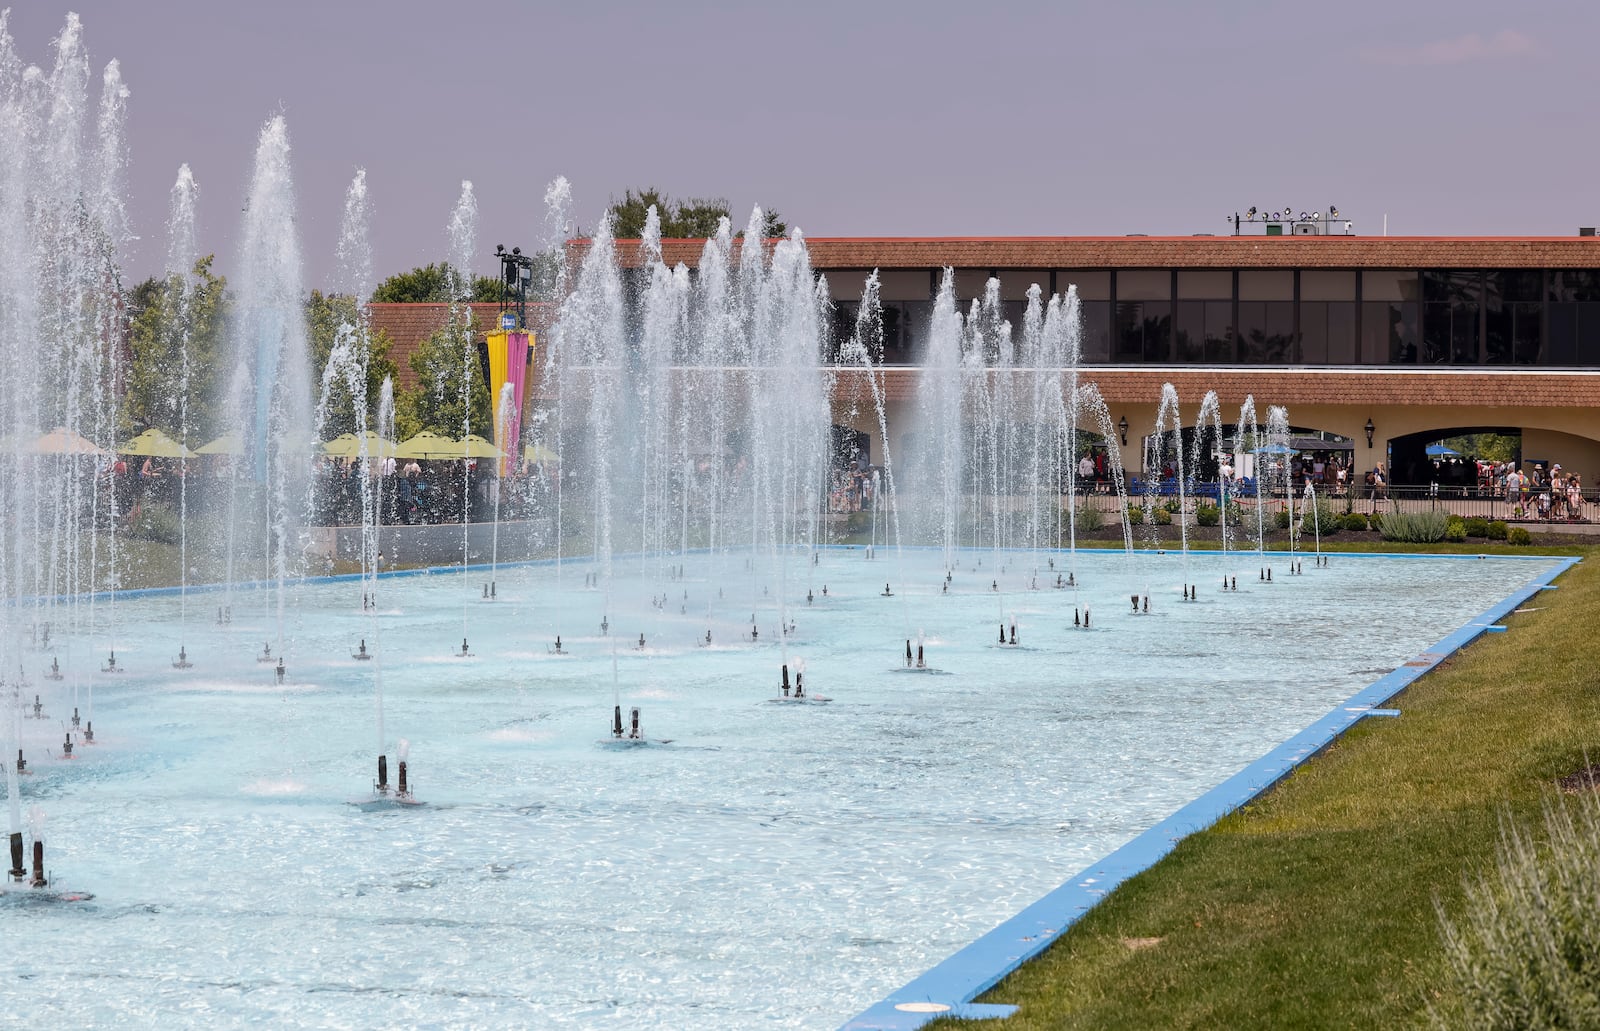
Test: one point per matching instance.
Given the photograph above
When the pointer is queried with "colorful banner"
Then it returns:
(510, 354)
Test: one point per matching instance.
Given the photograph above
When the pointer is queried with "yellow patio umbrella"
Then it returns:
(539, 453)
(348, 445)
(474, 446)
(227, 444)
(62, 441)
(428, 444)
(153, 443)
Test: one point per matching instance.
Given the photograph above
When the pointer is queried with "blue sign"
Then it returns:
(508, 320)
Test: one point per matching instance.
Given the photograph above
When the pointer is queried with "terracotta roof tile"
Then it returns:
(1167, 252)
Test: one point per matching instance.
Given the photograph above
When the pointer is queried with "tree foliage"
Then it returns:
(430, 284)
(692, 218)
(445, 361)
(164, 322)
(326, 314)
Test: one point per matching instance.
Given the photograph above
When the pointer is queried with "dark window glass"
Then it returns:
(1569, 284)
(1452, 285)
(1588, 352)
(1314, 332)
(1266, 332)
(1219, 331)
(915, 323)
(1499, 333)
(841, 328)
(896, 341)
(1528, 337)
(1449, 334)
(1341, 333)
(1389, 333)
(1514, 284)
(1144, 331)
(1096, 340)
(1563, 333)
(1189, 331)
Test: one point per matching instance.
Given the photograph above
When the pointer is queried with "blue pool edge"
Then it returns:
(946, 990)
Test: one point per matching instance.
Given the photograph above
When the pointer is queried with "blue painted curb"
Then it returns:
(948, 988)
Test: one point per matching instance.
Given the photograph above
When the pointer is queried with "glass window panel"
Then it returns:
(1205, 284)
(896, 339)
(845, 284)
(1266, 285)
(1563, 333)
(841, 327)
(1452, 285)
(1388, 333)
(1436, 333)
(1529, 334)
(1519, 284)
(917, 316)
(1096, 339)
(1014, 282)
(1588, 352)
(1189, 331)
(1094, 284)
(1574, 284)
(1129, 336)
(1342, 333)
(1157, 331)
(1266, 332)
(970, 283)
(1327, 285)
(1135, 284)
(1314, 332)
(1388, 285)
(1219, 331)
(1499, 334)
(896, 284)
(1464, 334)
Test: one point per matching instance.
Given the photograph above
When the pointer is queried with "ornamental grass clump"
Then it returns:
(1524, 952)
(1415, 527)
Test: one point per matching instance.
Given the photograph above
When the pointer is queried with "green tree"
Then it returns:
(443, 362)
(160, 329)
(693, 218)
(430, 284)
(325, 314)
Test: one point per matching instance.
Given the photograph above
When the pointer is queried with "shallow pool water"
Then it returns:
(773, 865)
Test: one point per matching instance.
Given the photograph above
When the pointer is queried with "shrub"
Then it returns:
(1355, 521)
(1375, 520)
(1455, 529)
(1322, 518)
(157, 523)
(1415, 527)
(1280, 519)
(1523, 951)
(1088, 518)
(1497, 530)
(1477, 526)
(1519, 535)
(1162, 516)
(1135, 515)
(1173, 506)
(1207, 515)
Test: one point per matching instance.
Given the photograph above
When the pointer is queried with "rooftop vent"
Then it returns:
(1586, 230)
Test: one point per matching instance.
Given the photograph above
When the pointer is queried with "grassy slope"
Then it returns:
(1314, 907)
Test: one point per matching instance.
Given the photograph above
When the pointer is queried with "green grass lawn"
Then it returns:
(1314, 906)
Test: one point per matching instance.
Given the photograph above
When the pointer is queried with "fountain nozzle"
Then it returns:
(402, 789)
(75, 722)
(280, 670)
(786, 680)
(616, 722)
(18, 871)
(382, 787)
(38, 865)
(66, 747)
(88, 733)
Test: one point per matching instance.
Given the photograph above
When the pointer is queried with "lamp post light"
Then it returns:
(1370, 428)
(1122, 425)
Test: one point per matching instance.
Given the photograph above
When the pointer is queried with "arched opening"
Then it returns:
(1455, 458)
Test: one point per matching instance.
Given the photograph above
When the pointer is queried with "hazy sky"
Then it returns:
(858, 118)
